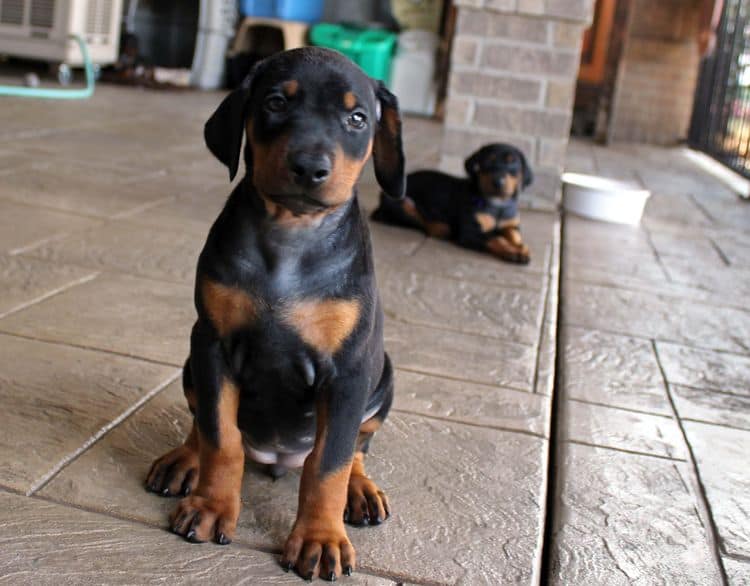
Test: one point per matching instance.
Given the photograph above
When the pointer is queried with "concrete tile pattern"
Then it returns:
(128, 315)
(614, 370)
(56, 397)
(723, 460)
(712, 407)
(627, 519)
(612, 427)
(26, 280)
(656, 361)
(101, 221)
(45, 543)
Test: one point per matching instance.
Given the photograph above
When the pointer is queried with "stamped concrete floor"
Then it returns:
(652, 463)
(104, 206)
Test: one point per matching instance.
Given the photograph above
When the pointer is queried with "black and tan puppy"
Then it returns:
(286, 359)
(480, 212)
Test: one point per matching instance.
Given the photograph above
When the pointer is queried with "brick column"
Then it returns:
(513, 76)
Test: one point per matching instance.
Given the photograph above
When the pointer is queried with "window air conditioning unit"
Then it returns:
(40, 29)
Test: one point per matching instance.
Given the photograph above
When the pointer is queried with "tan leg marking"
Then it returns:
(318, 544)
(213, 508)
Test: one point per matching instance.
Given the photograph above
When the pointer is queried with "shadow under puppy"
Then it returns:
(286, 360)
(480, 212)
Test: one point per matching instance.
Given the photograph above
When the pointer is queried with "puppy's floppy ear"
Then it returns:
(225, 128)
(528, 174)
(472, 164)
(387, 149)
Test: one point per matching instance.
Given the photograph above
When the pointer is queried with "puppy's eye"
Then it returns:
(357, 120)
(275, 104)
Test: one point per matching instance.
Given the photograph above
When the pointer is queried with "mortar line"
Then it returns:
(644, 288)
(657, 255)
(51, 293)
(618, 407)
(722, 255)
(703, 505)
(466, 380)
(622, 450)
(468, 423)
(550, 287)
(90, 348)
(70, 458)
(645, 338)
(551, 481)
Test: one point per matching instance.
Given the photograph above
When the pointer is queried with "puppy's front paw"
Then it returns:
(318, 549)
(200, 519)
(175, 473)
(366, 503)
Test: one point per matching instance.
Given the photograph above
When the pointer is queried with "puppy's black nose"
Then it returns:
(309, 169)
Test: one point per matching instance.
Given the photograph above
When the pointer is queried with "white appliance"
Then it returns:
(40, 29)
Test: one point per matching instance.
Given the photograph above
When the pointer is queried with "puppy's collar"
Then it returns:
(501, 210)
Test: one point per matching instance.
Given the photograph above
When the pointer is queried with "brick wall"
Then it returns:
(513, 75)
(658, 72)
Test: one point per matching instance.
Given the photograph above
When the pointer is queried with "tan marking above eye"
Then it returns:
(290, 87)
(486, 222)
(228, 308)
(324, 324)
(350, 100)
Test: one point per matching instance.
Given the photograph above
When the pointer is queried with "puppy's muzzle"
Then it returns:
(309, 170)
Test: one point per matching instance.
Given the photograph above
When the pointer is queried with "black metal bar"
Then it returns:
(720, 124)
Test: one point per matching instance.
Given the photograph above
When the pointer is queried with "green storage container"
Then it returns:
(371, 49)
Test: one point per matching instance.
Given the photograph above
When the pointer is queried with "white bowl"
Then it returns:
(604, 199)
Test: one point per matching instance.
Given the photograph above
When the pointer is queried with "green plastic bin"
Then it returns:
(371, 49)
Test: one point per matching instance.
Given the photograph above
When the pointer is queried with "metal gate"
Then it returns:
(720, 124)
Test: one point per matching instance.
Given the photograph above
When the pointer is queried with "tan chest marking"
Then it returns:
(228, 308)
(324, 324)
(486, 222)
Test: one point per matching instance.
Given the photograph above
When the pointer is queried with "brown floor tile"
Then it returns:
(460, 356)
(465, 402)
(26, 280)
(127, 315)
(627, 519)
(73, 187)
(45, 545)
(613, 370)
(192, 212)
(651, 315)
(712, 407)
(513, 315)
(131, 248)
(492, 528)
(22, 225)
(56, 398)
(723, 461)
(448, 259)
(705, 369)
(610, 427)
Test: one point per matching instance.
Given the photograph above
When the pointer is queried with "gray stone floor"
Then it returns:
(104, 206)
(653, 471)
